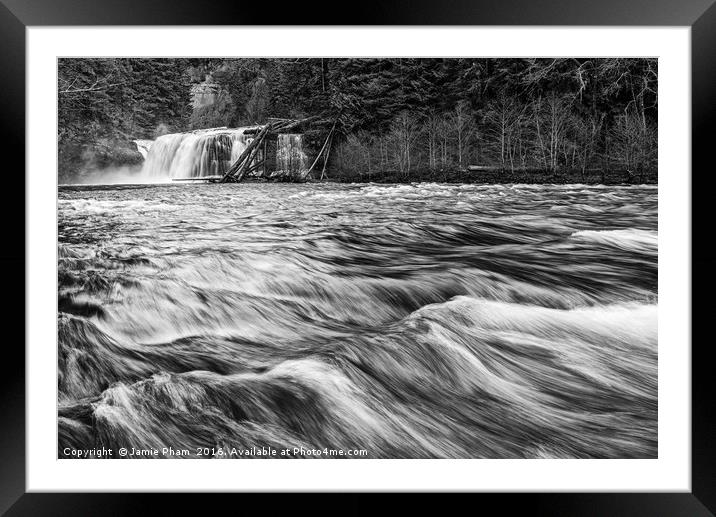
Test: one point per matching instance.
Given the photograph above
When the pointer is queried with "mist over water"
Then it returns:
(412, 321)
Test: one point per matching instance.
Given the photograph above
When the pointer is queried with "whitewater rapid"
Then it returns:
(411, 321)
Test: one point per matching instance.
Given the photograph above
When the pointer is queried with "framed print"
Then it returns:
(459, 253)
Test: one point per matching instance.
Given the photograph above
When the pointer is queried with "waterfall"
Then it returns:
(143, 147)
(210, 152)
(205, 152)
(289, 153)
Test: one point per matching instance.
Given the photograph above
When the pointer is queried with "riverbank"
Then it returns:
(131, 175)
(592, 177)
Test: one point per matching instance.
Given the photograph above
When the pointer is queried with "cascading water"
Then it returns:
(289, 153)
(206, 152)
(143, 147)
(210, 152)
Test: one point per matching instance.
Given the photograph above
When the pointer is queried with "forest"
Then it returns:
(397, 119)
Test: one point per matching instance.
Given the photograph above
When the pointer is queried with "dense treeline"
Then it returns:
(398, 119)
(103, 104)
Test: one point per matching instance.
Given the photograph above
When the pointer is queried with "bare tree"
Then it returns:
(552, 116)
(444, 131)
(503, 119)
(355, 153)
(404, 132)
(587, 130)
(462, 123)
(432, 132)
(633, 143)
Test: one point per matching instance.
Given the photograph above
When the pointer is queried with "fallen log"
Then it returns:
(325, 160)
(242, 159)
(291, 124)
(243, 164)
(210, 179)
(247, 163)
(255, 167)
(330, 134)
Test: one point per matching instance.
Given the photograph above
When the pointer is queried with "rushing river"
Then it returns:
(425, 320)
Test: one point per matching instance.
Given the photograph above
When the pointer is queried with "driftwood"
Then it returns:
(325, 160)
(210, 179)
(263, 172)
(236, 171)
(243, 164)
(325, 144)
(255, 167)
(247, 162)
(287, 124)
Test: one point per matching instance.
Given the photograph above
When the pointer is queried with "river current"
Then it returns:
(408, 321)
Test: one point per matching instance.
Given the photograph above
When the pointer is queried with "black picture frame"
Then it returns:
(16, 15)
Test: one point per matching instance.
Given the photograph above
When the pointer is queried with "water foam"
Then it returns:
(630, 238)
(402, 323)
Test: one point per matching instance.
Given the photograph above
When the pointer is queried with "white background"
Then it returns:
(671, 471)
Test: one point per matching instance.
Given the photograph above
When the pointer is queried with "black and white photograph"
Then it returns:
(357, 258)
